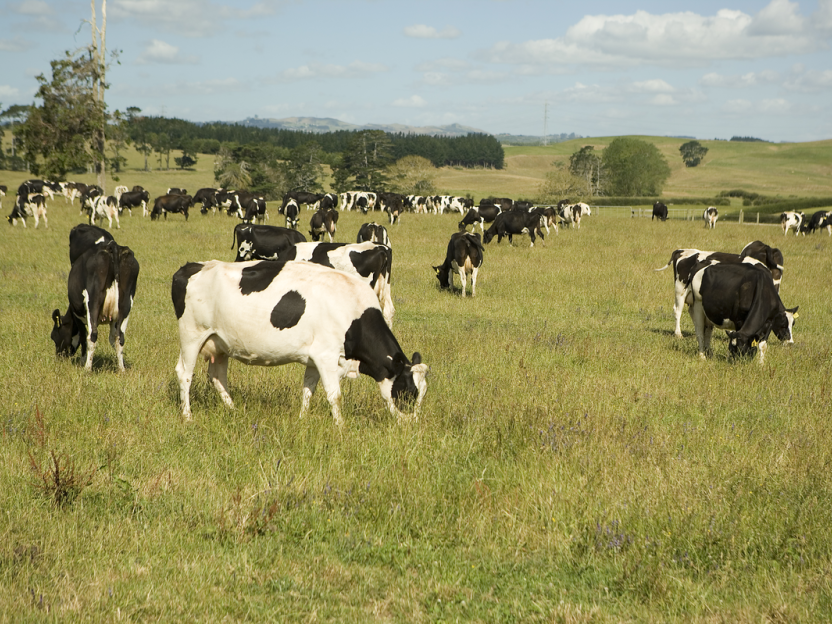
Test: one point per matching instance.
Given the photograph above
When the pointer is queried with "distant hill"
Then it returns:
(326, 124)
(525, 139)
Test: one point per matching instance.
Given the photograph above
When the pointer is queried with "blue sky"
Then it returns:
(732, 67)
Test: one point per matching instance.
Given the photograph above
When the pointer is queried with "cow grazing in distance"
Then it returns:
(84, 237)
(88, 197)
(328, 202)
(101, 288)
(274, 313)
(792, 220)
(505, 203)
(323, 223)
(171, 203)
(263, 242)
(463, 256)
(302, 197)
(370, 262)
(292, 213)
(105, 208)
(684, 261)
(482, 214)
(134, 199)
(769, 256)
(710, 216)
(392, 204)
(511, 222)
(254, 208)
(819, 220)
(659, 211)
(373, 233)
(177, 191)
(29, 206)
(415, 203)
(741, 299)
(207, 196)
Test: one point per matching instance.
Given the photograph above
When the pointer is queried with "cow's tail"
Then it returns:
(664, 267)
(234, 238)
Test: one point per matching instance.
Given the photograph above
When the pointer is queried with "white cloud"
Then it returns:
(672, 39)
(18, 44)
(443, 64)
(751, 79)
(652, 86)
(414, 101)
(355, 70)
(663, 99)
(33, 7)
(8, 93)
(812, 81)
(421, 31)
(164, 53)
(190, 18)
(776, 106)
(437, 79)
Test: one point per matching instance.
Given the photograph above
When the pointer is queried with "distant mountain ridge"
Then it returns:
(326, 124)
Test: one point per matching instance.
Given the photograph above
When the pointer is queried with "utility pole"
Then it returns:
(545, 123)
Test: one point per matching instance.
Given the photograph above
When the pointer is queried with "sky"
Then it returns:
(594, 68)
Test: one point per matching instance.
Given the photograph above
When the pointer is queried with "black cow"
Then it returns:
(392, 204)
(769, 256)
(101, 288)
(263, 242)
(328, 202)
(741, 299)
(254, 209)
(504, 203)
(301, 197)
(511, 222)
(323, 223)
(84, 237)
(134, 199)
(373, 233)
(171, 203)
(821, 219)
(464, 255)
(659, 211)
(208, 198)
(177, 191)
(484, 213)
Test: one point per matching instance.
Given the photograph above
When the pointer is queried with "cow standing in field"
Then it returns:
(134, 199)
(207, 196)
(171, 203)
(274, 313)
(821, 219)
(463, 256)
(101, 288)
(659, 211)
(292, 213)
(511, 222)
(392, 204)
(263, 242)
(792, 220)
(710, 216)
(373, 233)
(482, 214)
(323, 222)
(105, 208)
(741, 299)
(29, 206)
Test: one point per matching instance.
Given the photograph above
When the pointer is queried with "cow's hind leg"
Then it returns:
(474, 281)
(703, 333)
(310, 382)
(218, 376)
(188, 355)
(462, 278)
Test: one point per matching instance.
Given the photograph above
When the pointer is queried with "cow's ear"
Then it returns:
(416, 359)
(793, 311)
(56, 317)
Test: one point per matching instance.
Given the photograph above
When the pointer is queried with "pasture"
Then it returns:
(574, 462)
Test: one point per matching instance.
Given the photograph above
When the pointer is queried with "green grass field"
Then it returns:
(574, 462)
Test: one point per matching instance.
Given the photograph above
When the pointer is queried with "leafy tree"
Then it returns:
(185, 161)
(692, 153)
(634, 168)
(563, 184)
(303, 170)
(412, 175)
(364, 161)
(62, 134)
(229, 172)
(117, 140)
(587, 165)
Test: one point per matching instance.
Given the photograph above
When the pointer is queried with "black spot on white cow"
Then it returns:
(301, 312)
(463, 256)
(101, 288)
(741, 299)
(263, 242)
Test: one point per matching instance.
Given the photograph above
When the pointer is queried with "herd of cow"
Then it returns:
(338, 323)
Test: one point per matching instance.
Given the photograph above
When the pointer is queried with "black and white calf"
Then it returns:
(710, 216)
(263, 242)
(373, 233)
(370, 262)
(741, 299)
(274, 313)
(791, 220)
(659, 211)
(463, 256)
(323, 222)
(101, 288)
(511, 222)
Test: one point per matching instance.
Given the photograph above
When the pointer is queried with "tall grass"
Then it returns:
(574, 462)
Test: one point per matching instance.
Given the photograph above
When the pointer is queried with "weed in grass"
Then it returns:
(59, 480)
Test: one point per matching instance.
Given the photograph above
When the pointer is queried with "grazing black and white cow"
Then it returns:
(292, 213)
(821, 219)
(392, 204)
(511, 222)
(659, 211)
(274, 313)
(741, 299)
(323, 222)
(207, 196)
(415, 203)
(29, 206)
(505, 203)
(328, 202)
(684, 261)
(105, 208)
(710, 216)
(171, 203)
(791, 220)
(373, 233)
(254, 208)
(38, 187)
(177, 191)
(570, 214)
(302, 197)
(464, 255)
(482, 214)
(359, 200)
(84, 237)
(88, 197)
(263, 242)
(370, 262)
(101, 288)
(134, 199)
(769, 256)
